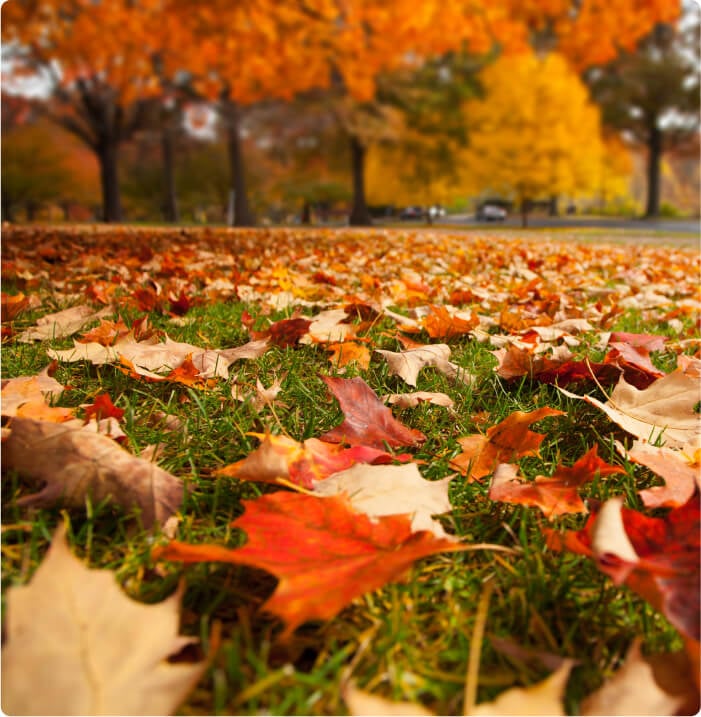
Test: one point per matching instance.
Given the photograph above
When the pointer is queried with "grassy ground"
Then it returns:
(409, 640)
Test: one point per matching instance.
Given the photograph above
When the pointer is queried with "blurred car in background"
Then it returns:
(436, 211)
(490, 213)
(412, 212)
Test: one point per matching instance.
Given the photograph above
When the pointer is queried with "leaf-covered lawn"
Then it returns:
(452, 470)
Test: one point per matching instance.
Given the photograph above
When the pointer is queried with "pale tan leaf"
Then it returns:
(410, 400)
(76, 644)
(391, 490)
(62, 323)
(73, 462)
(92, 351)
(25, 389)
(665, 410)
(407, 364)
(328, 327)
(543, 698)
(609, 534)
(633, 690)
(362, 703)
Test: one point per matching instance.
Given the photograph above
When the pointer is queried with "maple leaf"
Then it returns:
(367, 420)
(106, 334)
(284, 333)
(329, 327)
(661, 684)
(543, 698)
(555, 495)
(76, 644)
(503, 443)
(281, 457)
(665, 410)
(411, 400)
(324, 553)
(21, 390)
(650, 342)
(658, 558)
(678, 468)
(12, 305)
(62, 323)
(391, 490)
(440, 324)
(349, 352)
(407, 364)
(102, 407)
(74, 463)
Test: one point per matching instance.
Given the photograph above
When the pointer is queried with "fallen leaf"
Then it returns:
(678, 469)
(76, 644)
(407, 364)
(102, 407)
(281, 457)
(367, 420)
(74, 463)
(411, 400)
(329, 327)
(441, 324)
(664, 411)
(508, 440)
(661, 685)
(555, 495)
(318, 548)
(349, 352)
(658, 558)
(62, 323)
(12, 305)
(391, 490)
(543, 698)
(360, 703)
(16, 392)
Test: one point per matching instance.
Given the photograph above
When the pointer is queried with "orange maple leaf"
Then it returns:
(440, 324)
(554, 495)
(324, 553)
(503, 443)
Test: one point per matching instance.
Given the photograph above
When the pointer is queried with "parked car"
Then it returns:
(412, 212)
(491, 213)
(436, 211)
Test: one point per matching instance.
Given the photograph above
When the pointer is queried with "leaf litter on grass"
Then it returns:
(413, 301)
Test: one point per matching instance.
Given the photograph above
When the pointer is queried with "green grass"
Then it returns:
(407, 641)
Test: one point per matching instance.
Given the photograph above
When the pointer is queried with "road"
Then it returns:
(662, 226)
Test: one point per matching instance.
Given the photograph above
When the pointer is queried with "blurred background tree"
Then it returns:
(651, 93)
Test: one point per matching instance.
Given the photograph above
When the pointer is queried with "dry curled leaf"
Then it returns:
(77, 645)
(73, 463)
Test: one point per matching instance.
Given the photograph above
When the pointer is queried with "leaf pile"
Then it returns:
(339, 478)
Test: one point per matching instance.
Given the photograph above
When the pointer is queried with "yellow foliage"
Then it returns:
(536, 133)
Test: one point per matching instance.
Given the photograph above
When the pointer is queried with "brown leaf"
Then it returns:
(74, 463)
(62, 323)
(76, 644)
(16, 392)
(407, 364)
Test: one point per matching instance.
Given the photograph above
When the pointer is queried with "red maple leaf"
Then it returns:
(324, 553)
(664, 569)
(367, 421)
(102, 407)
(555, 495)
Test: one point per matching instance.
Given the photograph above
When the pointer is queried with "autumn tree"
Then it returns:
(98, 56)
(652, 92)
(536, 133)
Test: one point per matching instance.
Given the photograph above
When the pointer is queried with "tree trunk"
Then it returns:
(170, 202)
(109, 181)
(654, 159)
(525, 208)
(359, 216)
(243, 217)
(553, 208)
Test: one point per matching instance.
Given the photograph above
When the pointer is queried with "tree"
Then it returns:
(536, 133)
(652, 93)
(41, 165)
(98, 58)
